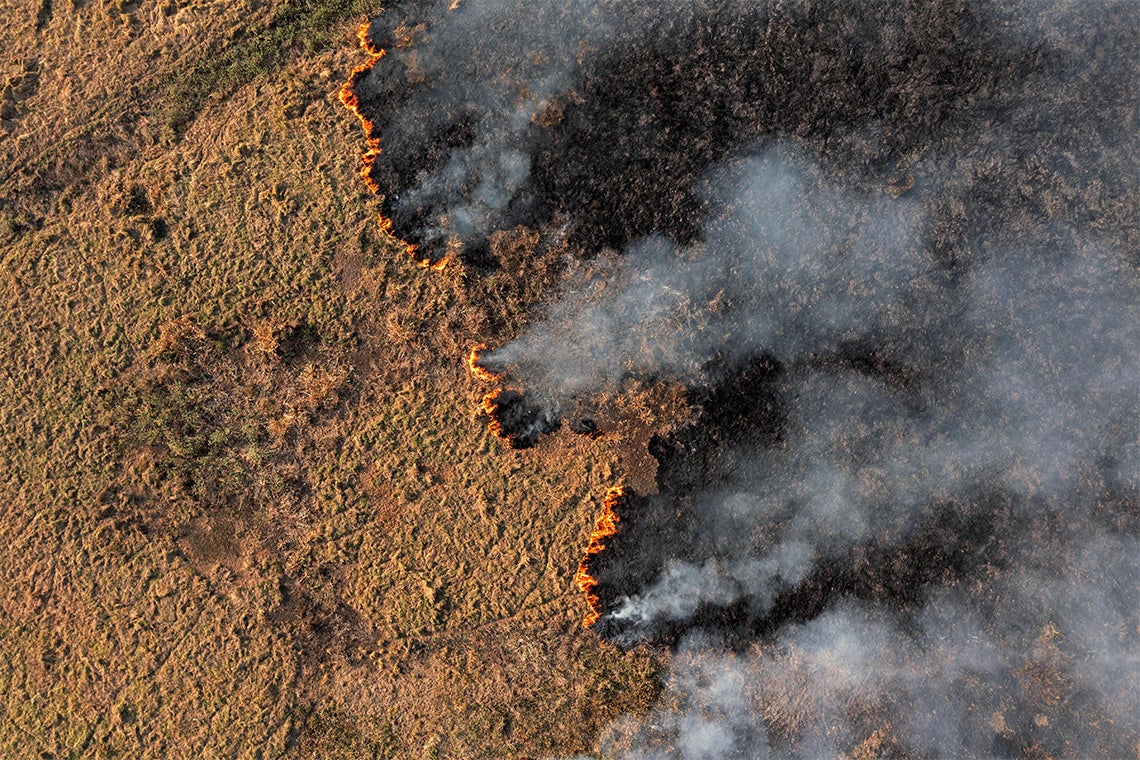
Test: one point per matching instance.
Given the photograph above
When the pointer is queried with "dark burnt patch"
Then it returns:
(869, 89)
(518, 418)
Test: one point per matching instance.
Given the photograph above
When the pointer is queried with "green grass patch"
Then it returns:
(294, 27)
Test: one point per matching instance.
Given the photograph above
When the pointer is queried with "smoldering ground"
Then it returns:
(891, 249)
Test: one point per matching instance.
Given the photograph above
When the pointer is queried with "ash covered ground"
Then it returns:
(890, 251)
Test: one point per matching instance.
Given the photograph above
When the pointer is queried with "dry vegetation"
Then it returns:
(248, 510)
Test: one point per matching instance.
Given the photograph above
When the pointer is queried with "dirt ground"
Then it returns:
(249, 508)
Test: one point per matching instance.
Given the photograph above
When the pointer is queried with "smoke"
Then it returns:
(1025, 385)
(597, 118)
(891, 251)
(462, 100)
(787, 268)
(960, 677)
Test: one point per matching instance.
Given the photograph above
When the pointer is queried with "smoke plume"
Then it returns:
(891, 251)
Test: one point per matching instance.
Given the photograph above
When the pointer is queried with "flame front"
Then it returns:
(366, 41)
(372, 151)
(491, 409)
(493, 402)
(474, 367)
(348, 98)
(605, 527)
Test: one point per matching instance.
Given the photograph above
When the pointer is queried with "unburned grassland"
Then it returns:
(248, 509)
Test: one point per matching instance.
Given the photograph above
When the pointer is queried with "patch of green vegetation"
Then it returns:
(294, 27)
(16, 224)
(205, 452)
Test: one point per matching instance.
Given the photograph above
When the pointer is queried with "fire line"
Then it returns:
(368, 158)
(605, 527)
(616, 499)
(476, 369)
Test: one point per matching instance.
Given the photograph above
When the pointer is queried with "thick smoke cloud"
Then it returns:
(891, 250)
(787, 268)
(1026, 384)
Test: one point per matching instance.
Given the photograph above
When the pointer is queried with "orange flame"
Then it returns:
(480, 372)
(366, 42)
(605, 527)
(491, 408)
(348, 98)
(367, 161)
(426, 263)
(368, 158)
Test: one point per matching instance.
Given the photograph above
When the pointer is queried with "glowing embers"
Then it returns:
(617, 500)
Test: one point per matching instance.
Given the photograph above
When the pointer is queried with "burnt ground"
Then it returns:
(248, 506)
(870, 90)
(1003, 134)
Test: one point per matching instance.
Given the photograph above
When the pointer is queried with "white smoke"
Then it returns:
(788, 267)
(1050, 382)
(961, 678)
(499, 65)
(958, 349)
(1024, 386)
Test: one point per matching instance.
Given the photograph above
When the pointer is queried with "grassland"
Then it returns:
(248, 509)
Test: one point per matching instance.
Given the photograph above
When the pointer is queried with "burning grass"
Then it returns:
(478, 370)
(372, 151)
(517, 418)
(512, 415)
(605, 527)
(748, 535)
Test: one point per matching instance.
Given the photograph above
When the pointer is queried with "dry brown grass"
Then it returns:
(248, 509)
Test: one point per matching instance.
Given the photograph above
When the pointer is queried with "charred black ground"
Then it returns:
(618, 153)
(872, 92)
(950, 543)
(913, 386)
